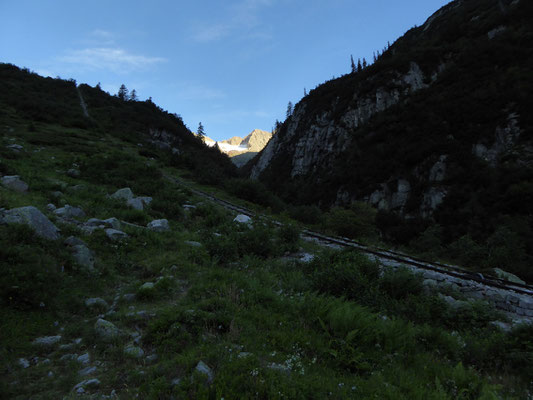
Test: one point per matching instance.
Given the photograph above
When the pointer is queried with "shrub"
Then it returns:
(359, 221)
(400, 283)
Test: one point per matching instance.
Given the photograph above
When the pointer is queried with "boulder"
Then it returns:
(83, 256)
(105, 330)
(203, 369)
(242, 219)
(74, 241)
(84, 359)
(136, 203)
(15, 147)
(193, 243)
(123, 194)
(69, 212)
(147, 286)
(50, 207)
(158, 225)
(73, 173)
(146, 200)
(115, 234)
(35, 219)
(133, 351)
(14, 183)
(96, 302)
(87, 384)
(47, 341)
(106, 223)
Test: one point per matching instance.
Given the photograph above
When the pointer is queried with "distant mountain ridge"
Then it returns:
(241, 150)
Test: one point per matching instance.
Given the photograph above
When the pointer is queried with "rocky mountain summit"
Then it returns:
(241, 150)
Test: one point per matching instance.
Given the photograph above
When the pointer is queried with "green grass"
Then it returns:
(268, 328)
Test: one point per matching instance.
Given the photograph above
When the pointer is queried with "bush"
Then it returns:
(306, 214)
(288, 238)
(357, 222)
(400, 283)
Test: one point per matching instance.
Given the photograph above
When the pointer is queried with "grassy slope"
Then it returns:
(331, 329)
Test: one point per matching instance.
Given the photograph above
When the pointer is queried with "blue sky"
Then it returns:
(233, 64)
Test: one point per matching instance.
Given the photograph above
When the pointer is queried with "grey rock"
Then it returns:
(24, 363)
(123, 194)
(83, 256)
(175, 381)
(133, 351)
(107, 331)
(438, 171)
(129, 297)
(242, 219)
(244, 354)
(15, 147)
(502, 325)
(158, 225)
(147, 286)
(279, 367)
(152, 358)
(14, 183)
(136, 204)
(146, 200)
(69, 212)
(68, 357)
(193, 243)
(508, 276)
(57, 194)
(73, 173)
(74, 241)
(113, 223)
(189, 207)
(50, 207)
(87, 371)
(115, 234)
(203, 369)
(87, 384)
(96, 302)
(84, 359)
(47, 341)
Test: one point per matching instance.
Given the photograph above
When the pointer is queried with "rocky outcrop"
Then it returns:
(316, 144)
(32, 217)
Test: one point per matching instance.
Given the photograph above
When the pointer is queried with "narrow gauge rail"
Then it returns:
(450, 270)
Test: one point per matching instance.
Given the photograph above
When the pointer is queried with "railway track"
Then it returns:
(455, 272)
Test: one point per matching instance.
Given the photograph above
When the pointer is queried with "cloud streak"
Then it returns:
(245, 17)
(114, 59)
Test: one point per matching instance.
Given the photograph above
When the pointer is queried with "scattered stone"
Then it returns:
(73, 173)
(146, 200)
(152, 358)
(123, 194)
(189, 207)
(84, 359)
(244, 354)
(96, 302)
(47, 341)
(203, 369)
(57, 194)
(133, 351)
(69, 357)
(243, 219)
(77, 188)
(14, 183)
(279, 367)
(50, 374)
(147, 286)
(113, 223)
(115, 234)
(87, 371)
(306, 258)
(69, 212)
(24, 363)
(50, 207)
(175, 381)
(15, 147)
(193, 243)
(158, 225)
(89, 383)
(74, 241)
(129, 297)
(106, 330)
(83, 256)
(136, 204)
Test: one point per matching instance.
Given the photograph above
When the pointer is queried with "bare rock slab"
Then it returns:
(34, 218)
(14, 183)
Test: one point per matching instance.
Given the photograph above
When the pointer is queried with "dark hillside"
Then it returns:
(437, 132)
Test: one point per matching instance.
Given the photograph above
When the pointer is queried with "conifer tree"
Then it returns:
(353, 65)
(122, 93)
(133, 95)
(200, 131)
(289, 109)
(359, 66)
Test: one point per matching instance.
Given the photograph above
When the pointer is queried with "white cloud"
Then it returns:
(114, 59)
(102, 37)
(245, 17)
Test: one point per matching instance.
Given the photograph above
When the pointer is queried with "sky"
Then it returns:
(232, 65)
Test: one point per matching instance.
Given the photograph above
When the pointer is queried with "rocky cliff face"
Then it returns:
(400, 134)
